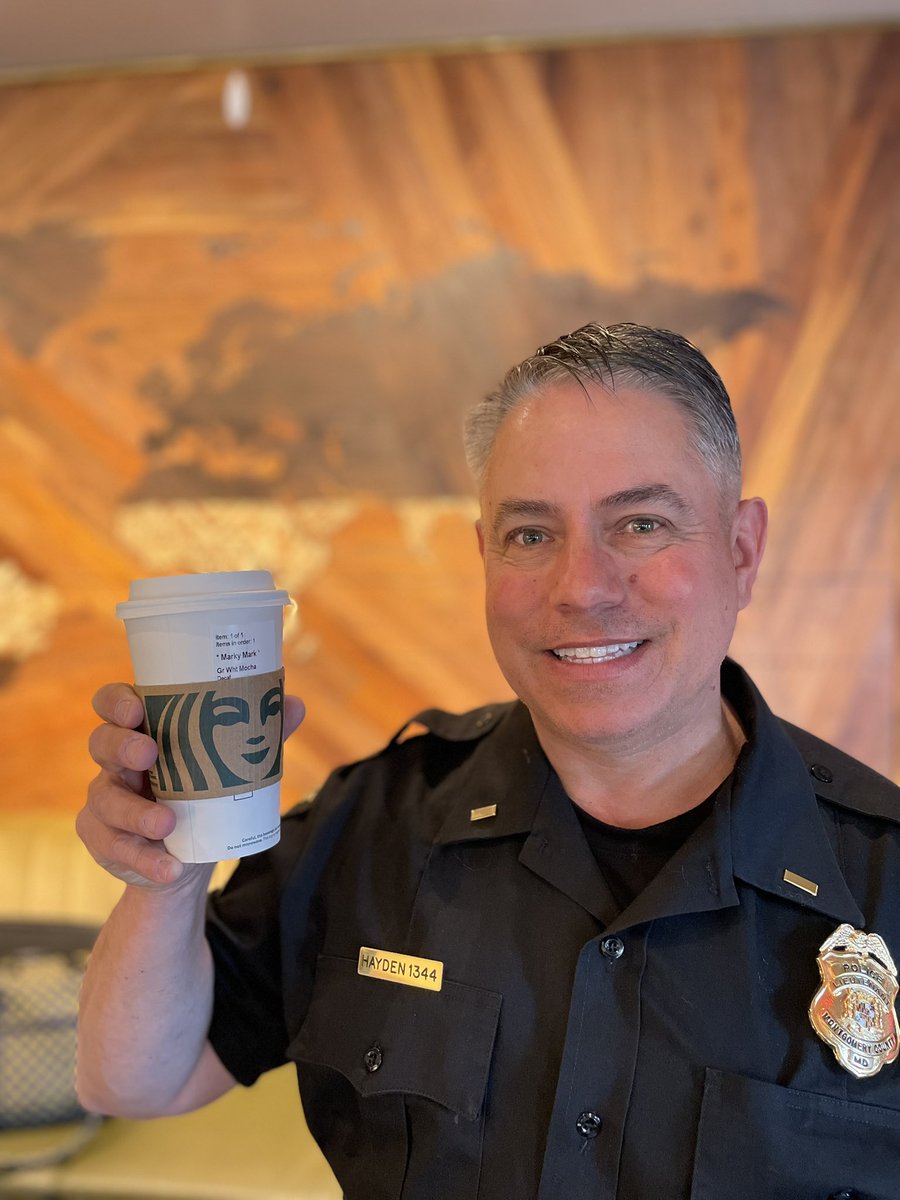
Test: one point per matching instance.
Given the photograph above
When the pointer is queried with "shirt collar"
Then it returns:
(777, 824)
(766, 820)
(507, 769)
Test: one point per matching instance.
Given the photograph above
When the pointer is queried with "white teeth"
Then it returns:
(596, 654)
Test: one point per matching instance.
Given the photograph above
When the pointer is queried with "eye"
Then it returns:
(270, 704)
(230, 710)
(526, 537)
(643, 525)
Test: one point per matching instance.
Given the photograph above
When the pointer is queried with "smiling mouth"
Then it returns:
(595, 654)
(257, 757)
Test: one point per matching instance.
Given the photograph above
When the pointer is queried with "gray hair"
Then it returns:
(627, 355)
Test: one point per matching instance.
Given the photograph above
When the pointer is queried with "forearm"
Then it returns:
(146, 1001)
(147, 997)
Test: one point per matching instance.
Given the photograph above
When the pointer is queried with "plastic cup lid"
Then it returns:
(171, 594)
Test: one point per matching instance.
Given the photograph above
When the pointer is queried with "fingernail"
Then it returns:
(123, 711)
(169, 870)
(133, 751)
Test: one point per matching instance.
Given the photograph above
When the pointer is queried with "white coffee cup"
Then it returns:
(207, 657)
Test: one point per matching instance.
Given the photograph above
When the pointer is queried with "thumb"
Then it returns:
(294, 712)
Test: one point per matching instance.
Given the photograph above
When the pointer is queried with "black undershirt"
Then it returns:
(629, 859)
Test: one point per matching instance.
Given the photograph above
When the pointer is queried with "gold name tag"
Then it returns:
(401, 968)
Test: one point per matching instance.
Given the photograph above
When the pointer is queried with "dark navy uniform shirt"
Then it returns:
(574, 1051)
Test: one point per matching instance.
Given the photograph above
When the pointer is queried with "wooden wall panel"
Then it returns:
(225, 349)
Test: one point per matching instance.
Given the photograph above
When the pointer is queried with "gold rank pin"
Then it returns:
(801, 882)
(480, 814)
(853, 1011)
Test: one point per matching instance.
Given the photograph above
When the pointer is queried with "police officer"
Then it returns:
(629, 936)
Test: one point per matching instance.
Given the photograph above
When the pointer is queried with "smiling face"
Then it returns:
(613, 575)
(242, 758)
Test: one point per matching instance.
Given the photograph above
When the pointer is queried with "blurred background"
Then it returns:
(257, 258)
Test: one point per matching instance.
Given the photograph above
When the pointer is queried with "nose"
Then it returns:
(587, 576)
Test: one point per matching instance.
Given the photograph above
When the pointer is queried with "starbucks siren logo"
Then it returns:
(217, 738)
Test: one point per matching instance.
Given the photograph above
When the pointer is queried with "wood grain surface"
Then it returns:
(225, 349)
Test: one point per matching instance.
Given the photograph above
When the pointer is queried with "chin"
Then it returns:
(593, 726)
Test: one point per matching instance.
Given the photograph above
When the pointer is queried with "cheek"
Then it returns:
(669, 579)
(697, 589)
(511, 594)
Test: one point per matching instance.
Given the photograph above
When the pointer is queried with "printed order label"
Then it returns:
(243, 649)
(222, 737)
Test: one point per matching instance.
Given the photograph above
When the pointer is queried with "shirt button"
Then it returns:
(844, 1194)
(612, 947)
(823, 775)
(588, 1124)
(373, 1058)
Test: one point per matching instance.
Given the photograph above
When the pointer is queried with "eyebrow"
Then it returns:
(647, 493)
(508, 510)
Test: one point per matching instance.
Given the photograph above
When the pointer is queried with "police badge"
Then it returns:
(853, 1010)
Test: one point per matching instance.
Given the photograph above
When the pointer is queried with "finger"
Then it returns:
(119, 704)
(118, 749)
(294, 712)
(139, 782)
(117, 807)
(147, 860)
(128, 856)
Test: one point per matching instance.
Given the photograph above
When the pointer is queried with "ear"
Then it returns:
(479, 531)
(748, 542)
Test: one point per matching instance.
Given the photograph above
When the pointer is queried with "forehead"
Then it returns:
(566, 434)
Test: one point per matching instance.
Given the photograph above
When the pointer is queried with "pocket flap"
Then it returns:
(760, 1139)
(385, 1037)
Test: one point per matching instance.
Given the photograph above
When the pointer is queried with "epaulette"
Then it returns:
(454, 727)
(844, 780)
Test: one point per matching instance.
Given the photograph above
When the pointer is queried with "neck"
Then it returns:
(646, 785)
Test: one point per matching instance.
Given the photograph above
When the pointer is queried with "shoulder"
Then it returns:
(469, 726)
(435, 735)
(433, 746)
(428, 749)
(392, 805)
(843, 780)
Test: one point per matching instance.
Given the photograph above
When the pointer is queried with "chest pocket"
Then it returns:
(759, 1139)
(393, 1080)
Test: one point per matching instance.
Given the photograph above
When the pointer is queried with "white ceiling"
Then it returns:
(42, 36)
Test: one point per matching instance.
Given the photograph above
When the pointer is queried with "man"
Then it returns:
(563, 948)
